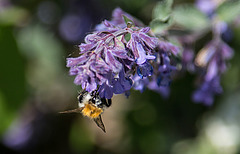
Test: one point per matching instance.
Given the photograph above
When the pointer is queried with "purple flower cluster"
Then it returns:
(120, 55)
(213, 59)
(210, 61)
(108, 56)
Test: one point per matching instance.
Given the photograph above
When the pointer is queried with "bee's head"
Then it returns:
(83, 98)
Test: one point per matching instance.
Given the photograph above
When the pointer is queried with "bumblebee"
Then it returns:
(92, 106)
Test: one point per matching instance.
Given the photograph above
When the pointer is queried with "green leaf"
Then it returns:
(163, 10)
(229, 10)
(7, 115)
(190, 17)
(13, 16)
(127, 37)
(37, 43)
(128, 21)
(159, 26)
(12, 78)
(12, 68)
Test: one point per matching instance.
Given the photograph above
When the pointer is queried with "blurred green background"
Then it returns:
(37, 36)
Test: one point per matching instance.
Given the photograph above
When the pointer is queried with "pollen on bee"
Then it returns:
(91, 111)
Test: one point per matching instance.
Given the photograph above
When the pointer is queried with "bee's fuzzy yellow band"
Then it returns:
(91, 111)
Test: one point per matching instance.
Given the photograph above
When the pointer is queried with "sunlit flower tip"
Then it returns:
(144, 70)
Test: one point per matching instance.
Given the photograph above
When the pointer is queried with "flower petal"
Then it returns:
(112, 62)
(86, 47)
(77, 61)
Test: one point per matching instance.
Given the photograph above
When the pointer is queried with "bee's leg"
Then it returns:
(104, 101)
(82, 91)
(109, 102)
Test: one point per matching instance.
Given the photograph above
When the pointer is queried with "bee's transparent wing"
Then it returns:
(99, 123)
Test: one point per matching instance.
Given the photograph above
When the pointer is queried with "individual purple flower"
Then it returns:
(145, 70)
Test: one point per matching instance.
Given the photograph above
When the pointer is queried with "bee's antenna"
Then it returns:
(77, 110)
